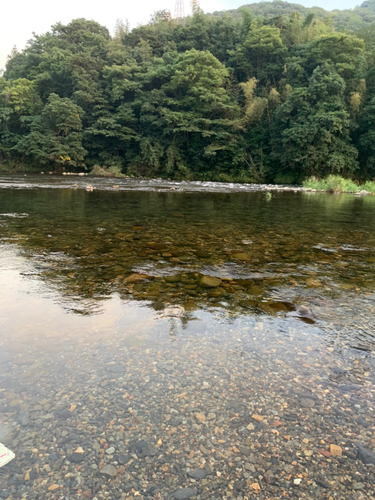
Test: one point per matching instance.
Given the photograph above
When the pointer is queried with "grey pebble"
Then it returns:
(367, 456)
(108, 471)
(198, 473)
(307, 403)
(185, 493)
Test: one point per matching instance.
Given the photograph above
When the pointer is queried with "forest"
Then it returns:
(244, 96)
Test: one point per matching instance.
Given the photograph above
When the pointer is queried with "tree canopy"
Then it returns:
(275, 93)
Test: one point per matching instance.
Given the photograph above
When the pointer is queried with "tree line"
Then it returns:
(273, 99)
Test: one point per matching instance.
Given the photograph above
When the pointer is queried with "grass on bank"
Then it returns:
(99, 171)
(337, 184)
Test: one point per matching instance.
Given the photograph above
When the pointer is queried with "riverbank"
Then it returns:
(331, 184)
(337, 184)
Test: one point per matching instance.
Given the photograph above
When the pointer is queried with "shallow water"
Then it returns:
(104, 316)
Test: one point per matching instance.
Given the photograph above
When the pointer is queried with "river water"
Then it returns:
(124, 374)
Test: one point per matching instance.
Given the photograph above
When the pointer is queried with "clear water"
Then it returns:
(70, 314)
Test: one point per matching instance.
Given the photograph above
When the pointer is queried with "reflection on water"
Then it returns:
(122, 311)
(267, 257)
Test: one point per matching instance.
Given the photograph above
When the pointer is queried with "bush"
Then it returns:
(337, 184)
(113, 171)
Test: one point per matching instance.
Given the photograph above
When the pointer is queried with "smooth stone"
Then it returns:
(110, 451)
(245, 450)
(147, 449)
(209, 282)
(304, 311)
(172, 279)
(367, 456)
(23, 418)
(123, 459)
(108, 471)
(134, 278)
(76, 457)
(307, 403)
(185, 493)
(241, 256)
(358, 486)
(363, 422)
(198, 473)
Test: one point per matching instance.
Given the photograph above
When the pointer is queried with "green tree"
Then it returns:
(313, 129)
(56, 135)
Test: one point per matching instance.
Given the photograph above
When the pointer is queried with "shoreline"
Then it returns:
(78, 181)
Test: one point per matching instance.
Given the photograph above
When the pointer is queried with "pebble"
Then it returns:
(185, 493)
(198, 473)
(108, 471)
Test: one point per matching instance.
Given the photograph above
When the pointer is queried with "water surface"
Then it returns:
(104, 316)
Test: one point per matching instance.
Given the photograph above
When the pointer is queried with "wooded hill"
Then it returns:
(243, 97)
(360, 17)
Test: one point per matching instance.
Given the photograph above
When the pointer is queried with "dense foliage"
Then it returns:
(360, 17)
(277, 98)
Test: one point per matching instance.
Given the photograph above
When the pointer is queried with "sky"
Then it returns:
(22, 17)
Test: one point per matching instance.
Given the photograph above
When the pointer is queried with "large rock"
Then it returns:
(367, 456)
(185, 493)
(209, 282)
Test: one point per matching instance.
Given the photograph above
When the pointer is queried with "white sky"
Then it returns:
(20, 18)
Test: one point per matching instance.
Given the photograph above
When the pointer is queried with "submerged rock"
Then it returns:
(175, 311)
(241, 256)
(304, 311)
(108, 471)
(209, 282)
(367, 456)
(135, 277)
(198, 473)
(185, 493)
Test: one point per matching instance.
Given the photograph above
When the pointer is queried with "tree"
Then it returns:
(56, 135)
(313, 128)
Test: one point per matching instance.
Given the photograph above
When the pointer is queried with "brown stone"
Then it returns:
(241, 256)
(335, 450)
(133, 278)
(200, 417)
(325, 453)
(209, 282)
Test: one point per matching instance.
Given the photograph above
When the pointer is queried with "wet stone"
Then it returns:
(198, 474)
(209, 282)
(123, 459)
(307, 402)
(76, 458)
(185, 493)
(108, 471)
(147, 449)
(364, 454)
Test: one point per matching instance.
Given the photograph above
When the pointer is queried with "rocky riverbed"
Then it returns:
(252, 409)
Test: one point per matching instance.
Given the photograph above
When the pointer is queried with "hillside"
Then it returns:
(350, 19)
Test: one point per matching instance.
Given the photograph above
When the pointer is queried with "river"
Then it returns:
(185, 340)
